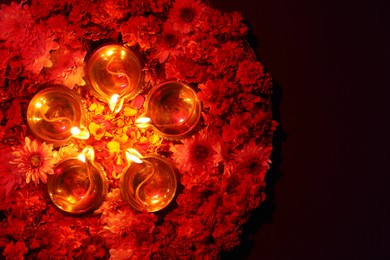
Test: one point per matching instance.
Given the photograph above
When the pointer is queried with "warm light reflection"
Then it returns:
(109, 52)
(38, 104)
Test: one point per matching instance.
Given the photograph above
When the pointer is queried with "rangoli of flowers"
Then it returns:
(221, 167)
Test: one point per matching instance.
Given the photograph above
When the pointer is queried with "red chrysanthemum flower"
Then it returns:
(186, 15)
(20, 32)
(169, 44)
(249, 73)
(123, 229)
(215, 95)
(9, 178)
(140, 30)
(15, 23)
(184, 69)
(68, 68)
(199, 153)
(252, 159)
(35, 160)
(15, 250)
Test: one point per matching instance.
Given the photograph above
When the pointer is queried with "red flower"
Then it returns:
(15, 250)
(184, 69)
(252, 159)
(169, 44)
(186, 15)
(35, 160)
(68, 68)
(199, 153)
(237, 129)
(140, 30)
(21, 33)
(249, 74)
(10, 178)
(6, 55)
(215, 95)
(15, 23)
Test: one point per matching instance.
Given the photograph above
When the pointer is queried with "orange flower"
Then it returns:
(35, 159)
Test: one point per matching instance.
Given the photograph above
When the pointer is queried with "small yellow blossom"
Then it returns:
(129, 111)
(96, 130)
(114, 146)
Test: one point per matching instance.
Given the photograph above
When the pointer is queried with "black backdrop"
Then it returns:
(329, 185)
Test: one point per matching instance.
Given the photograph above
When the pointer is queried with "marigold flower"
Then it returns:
(35, 159)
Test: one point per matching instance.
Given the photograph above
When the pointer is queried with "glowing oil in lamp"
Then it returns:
(114, 74)
(56, 114)
(149, 183)
(78, 184)
(173, 109)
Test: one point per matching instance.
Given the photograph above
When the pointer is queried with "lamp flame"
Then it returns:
(80, 133)
(115, 103)
(133, 155)
(88, 153)
(75, 130)
(143, 122)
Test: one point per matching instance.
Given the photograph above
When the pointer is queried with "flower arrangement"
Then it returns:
(221, 168)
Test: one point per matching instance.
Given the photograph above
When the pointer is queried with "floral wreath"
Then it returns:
(221, 168)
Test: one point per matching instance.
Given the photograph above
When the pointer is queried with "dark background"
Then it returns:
(329, 185)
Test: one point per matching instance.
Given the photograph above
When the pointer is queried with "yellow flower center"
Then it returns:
(35, 161)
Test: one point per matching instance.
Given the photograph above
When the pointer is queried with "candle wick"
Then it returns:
(53, 120)
(91, 182)
(114, 73)
(144, 181)
(182, 122)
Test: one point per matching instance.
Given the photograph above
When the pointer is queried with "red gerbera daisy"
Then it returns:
(35, 160)
(199, 153)
(252, 159)
(169, 44)
(186, 15)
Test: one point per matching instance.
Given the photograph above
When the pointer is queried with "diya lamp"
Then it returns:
(114, 74)
(78, 185)
(56, 114)
(172, 109)
(148, 183)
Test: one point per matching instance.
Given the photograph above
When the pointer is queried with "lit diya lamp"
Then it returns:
(56, 114)
(78, 185)
(114, 74)
(149, 183)
(172, 109)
